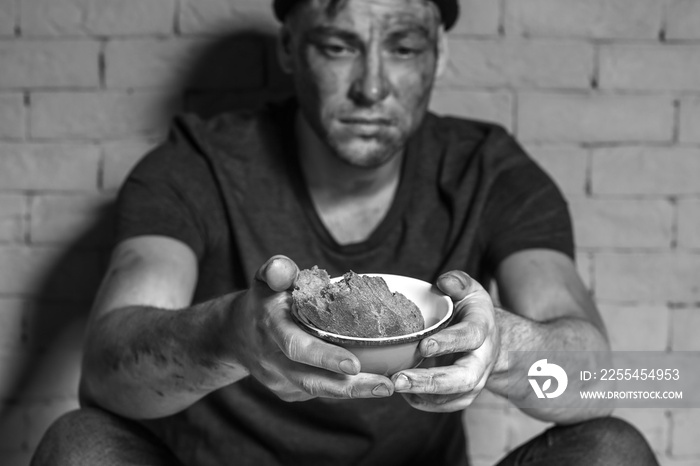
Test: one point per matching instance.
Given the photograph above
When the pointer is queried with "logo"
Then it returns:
(542, 368)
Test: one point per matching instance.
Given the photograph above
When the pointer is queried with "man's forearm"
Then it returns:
(561, 334)
(143, 362)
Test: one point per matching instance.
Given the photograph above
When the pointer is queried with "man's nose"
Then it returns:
(370, 85)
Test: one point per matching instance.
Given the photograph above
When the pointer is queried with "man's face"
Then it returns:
(363, 72)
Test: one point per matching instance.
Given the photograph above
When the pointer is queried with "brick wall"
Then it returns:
(605, 94)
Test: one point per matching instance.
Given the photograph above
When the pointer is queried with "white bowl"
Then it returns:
(388, 355)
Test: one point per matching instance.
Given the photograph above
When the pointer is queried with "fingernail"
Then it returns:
(348, 367)
(381, 390)
(268, 266)
(457, 282)
(431, 347)
(402, 383)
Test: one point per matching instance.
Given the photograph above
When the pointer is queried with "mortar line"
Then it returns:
(102, 64)
(27, 105)
(669, 330)
(676, 135)
(594, 78)
(176, 18)
(18, 19)
(502, 18)
(674, 222)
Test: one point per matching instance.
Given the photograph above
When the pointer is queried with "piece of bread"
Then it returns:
(357, 306)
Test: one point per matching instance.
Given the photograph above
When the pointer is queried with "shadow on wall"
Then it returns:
(235, 71)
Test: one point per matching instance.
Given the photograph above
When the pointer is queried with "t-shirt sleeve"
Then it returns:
(525, 210)
(156, 199)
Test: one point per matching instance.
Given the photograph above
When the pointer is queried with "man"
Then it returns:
(191, 334)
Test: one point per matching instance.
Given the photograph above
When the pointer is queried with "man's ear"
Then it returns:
(284, 50)
(443, 52)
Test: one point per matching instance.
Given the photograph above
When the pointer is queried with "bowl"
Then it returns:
(388, 355)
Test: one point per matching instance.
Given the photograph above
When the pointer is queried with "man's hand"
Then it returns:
(471, 344)
(293, 364)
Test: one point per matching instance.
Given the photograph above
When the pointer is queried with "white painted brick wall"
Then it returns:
(685, 324)
(521, 64)
(220, 16)
(644, 171)
(609, 19)
(690, 120)
(12, 116)
(689, 223)
(684, 441)
(651, 326)
(494, 106)
(648, 277)
(605, 94)
(650, 67)
(622, 223)
(119, 158)
(682, 19)
(568, 165)
(591, 118)
(654, 423)
(97, 17)
(12, 217)
(49, 64)
(670, 461)
(98, 115)
(55, 219)
(8, 11)
(487, 431)
(64, 166)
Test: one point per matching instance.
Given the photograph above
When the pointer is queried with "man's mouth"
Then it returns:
(366, 121)
(366, 126)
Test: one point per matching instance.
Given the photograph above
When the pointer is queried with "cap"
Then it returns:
(449, 10)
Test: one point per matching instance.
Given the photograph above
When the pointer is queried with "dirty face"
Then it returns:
(363, 72)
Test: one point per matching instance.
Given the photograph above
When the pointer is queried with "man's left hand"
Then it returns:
(472, 345)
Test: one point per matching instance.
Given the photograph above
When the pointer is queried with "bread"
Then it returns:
(357, 306)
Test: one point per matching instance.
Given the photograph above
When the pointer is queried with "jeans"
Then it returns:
(603, 441)
(92, 437)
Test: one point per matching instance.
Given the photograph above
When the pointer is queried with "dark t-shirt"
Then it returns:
(231, 188)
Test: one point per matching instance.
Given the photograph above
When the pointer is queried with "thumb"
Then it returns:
(278, 273)
(458, 285)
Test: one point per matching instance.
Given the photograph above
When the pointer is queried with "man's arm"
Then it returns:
(146, 353)
(548, 309)
(149, 353)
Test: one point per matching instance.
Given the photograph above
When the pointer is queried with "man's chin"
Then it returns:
(366, 153)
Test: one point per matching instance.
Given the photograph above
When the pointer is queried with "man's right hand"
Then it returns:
(150, 353)
(293, 364)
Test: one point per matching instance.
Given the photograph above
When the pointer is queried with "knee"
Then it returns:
(618, 442)
(56, 446)
(616, 432)
(69, 439)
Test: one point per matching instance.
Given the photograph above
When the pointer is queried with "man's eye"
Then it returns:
(337, 51)
(406, 52)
